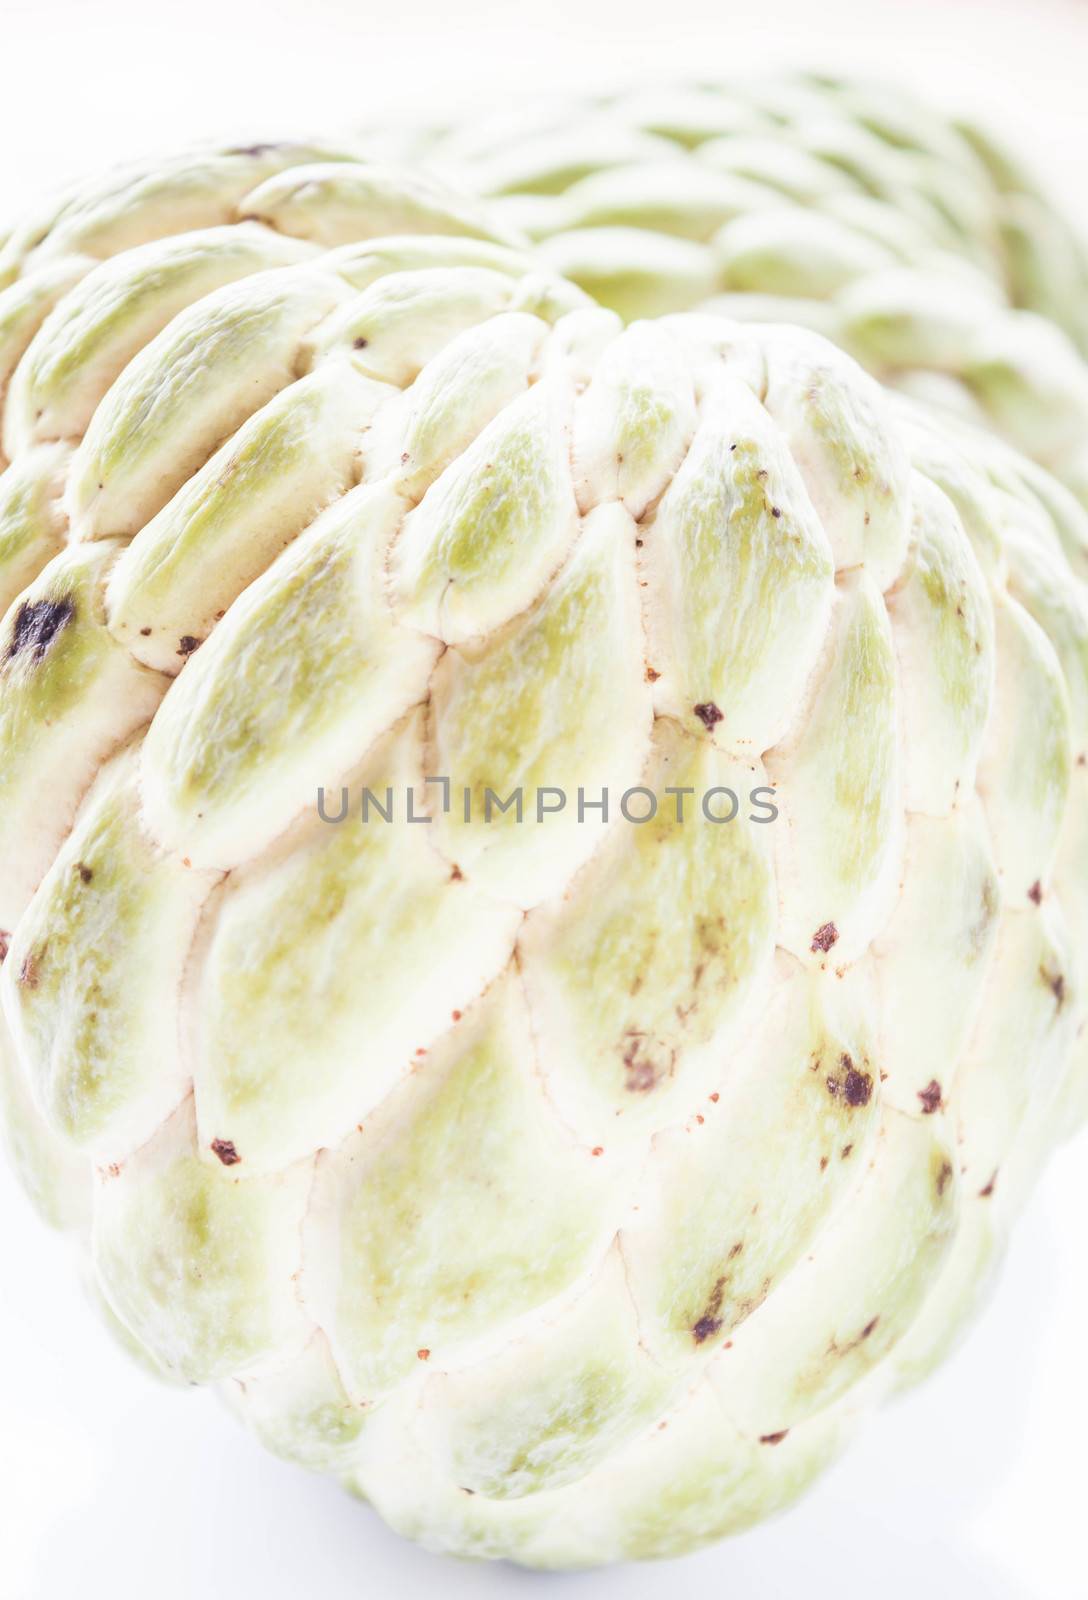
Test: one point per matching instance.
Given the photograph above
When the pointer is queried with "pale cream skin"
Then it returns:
(570, 1189)
(849, 207)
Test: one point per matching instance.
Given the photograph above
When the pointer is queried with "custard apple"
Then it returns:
(916, 243)
(544, 871)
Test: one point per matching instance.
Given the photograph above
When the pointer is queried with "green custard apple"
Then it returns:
(914, 242)
(544, 865)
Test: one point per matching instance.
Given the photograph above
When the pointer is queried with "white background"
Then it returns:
(115, 1488)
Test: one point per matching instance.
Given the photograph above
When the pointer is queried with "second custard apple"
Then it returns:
(916, 243)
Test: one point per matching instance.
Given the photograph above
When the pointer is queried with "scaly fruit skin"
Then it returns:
(567, 1188)
(915, 243)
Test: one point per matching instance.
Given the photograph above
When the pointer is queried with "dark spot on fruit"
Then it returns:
(187, 644)
(598, 1150)
(854, 1085)
(456, 1015)
(774, 1438)
(1055, 982)
(253, 150)
(5, 946)
(710, 1321)
(456, 875)
(651, 675)
(944, 1177)
(984, 1194)
(30, 973)
(423, 1355)
(824, 937)
(642, 1071)
(224, 1149)
(145, 633)
(868, 1328)
(1035, 893)
(776, 511)
(84, 871)
(844, 1153)
(858, 1086)
(823, 1163)
(708, 713)
(359, 344)
(930, 1097)
(37, 623)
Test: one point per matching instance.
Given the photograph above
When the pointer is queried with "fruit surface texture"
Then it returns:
(915, 242)
(568, 1181)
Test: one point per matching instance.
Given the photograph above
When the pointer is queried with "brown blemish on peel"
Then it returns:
(1055, 982)
(930, 1097)
(187, 644)
(224, 1149)
(30, 972)
(5, 946)
(984, 1194)
(1035, 893)
(84, 871)
(854, 1085)
(710, 1322)
(944, 1177)
(708, 713)
(774, 1438)
(837, 1350)
(824, 937)
(37, 624)
(642, 1073)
